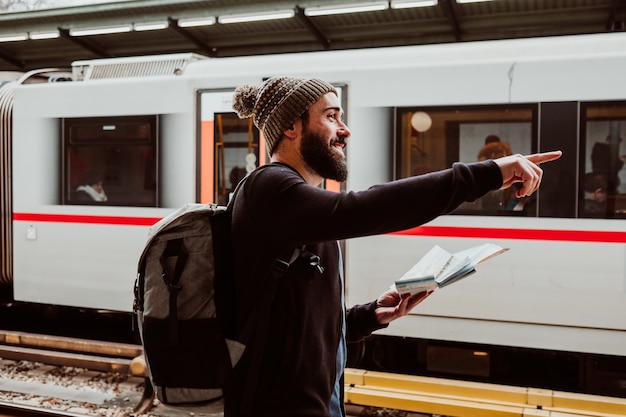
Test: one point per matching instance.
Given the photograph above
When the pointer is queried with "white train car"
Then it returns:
(159, 132)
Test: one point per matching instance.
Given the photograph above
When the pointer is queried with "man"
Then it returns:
(91, 191)
(281, 207)
(605, 159)
(595, 204)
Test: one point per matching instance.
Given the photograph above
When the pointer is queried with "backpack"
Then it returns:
(175, 306)
(183, 292)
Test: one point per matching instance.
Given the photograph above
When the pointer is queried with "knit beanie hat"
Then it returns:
(277, 103)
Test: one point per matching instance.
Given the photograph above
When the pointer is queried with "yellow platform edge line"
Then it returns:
(560, 404)
(591, 403)
(428, 404)
(455, 407)
(500, 393)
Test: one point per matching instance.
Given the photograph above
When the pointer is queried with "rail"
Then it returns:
(18, 410)
(82, 353)
(472, 399)
(419, 394)
(56, 350)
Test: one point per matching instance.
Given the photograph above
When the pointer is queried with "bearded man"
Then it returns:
(281, 213)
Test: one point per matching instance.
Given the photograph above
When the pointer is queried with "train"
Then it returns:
(156, 132)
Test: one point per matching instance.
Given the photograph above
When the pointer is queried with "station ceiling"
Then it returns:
(53, 38)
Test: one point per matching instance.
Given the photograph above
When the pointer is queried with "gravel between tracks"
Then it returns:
(69, 389)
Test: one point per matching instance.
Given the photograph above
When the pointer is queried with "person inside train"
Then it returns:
(492, 139)
(91, 189)
(494, 200)
(596, 192)
(235, 176)
(282, 207)
(606, 160)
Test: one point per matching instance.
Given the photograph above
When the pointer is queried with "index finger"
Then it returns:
(540, 158)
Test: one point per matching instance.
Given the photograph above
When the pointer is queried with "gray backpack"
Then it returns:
(187, 354)
(183, 293)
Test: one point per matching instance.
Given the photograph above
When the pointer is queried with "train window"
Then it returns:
(431, 139)
(602, 175)
(236, 153)
(110, 160)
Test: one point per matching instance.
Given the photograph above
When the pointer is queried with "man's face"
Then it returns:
(324, 139)
(600, 195)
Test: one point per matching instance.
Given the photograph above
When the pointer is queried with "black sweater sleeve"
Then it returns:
(361, 321)
(307, 214)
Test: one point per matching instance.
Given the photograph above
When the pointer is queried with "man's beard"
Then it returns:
(319, 156)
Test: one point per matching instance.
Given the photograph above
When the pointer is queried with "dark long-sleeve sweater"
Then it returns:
(275, 212)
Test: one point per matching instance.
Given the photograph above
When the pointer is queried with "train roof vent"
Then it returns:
(144, 66)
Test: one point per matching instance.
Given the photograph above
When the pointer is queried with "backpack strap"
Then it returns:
(262, 306)
(174, 248)
(256, 326)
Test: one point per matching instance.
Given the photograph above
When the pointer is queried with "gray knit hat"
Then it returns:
(278, 103)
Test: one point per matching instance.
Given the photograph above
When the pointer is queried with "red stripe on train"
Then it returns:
(441, 231)
(81, 218)
(523, 234)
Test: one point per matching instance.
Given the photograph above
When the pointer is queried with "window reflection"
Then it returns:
(431, 139)
(603, 178)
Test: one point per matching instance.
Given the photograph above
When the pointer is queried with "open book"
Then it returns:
(439, 268)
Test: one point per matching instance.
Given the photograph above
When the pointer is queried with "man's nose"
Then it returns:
(344, 130)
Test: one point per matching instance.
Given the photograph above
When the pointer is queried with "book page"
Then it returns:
(483, 252)
(421, 277)
(416, 286)
(455, 264)
(439, 268)
(468, 259)
(430, 264)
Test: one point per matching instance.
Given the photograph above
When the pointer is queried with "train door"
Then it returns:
(228, 147)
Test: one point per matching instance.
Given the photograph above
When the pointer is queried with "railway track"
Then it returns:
(62, 376)
(18, 410)
(32, 356)
(67, 351)
(43, 375)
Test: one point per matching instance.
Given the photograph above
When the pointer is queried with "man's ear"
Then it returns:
(291, 132)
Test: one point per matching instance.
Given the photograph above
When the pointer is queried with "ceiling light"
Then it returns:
(100, 30)
(405, 4)
(346, 8)
(13, 37)
(421, 121)
(256, 17)
(139, 27)
(51, 34)
(196, 21)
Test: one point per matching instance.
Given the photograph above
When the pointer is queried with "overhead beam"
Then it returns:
(312, 27)
(449, 6)
(173, 25)
(89, 46)
(15, 62)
